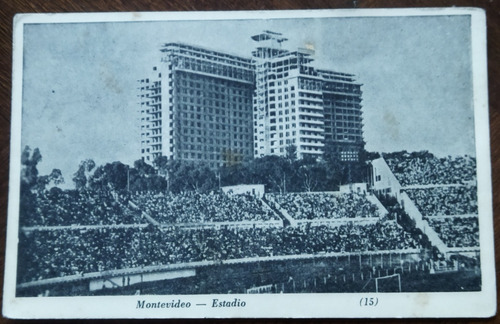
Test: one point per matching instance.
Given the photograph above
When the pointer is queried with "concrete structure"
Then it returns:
(297, 104)
(209, 106)
(381, 179)
(197, 106)
(359, 188)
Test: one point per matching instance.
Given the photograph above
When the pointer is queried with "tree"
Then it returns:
(330, 153)
(334, 166)
(291, 153)
(29, 171)
(29, 178)
(162, 163)
(33, 184)
(82, 176)
(144, 176)
(143, 168)
(311, 176)
(55, 177)
(273, 171)
(167, 167)
(192, 176)
(112, 175)
(237, 174)
(365, 156)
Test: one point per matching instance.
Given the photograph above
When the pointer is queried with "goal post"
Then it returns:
(389, 283)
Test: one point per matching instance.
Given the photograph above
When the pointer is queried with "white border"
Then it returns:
(466, 304)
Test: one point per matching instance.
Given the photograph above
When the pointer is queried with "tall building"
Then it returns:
(297, 104)
(343, 115)
(197, 106)
(209, 106)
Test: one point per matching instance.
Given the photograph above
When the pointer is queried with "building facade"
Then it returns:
(381, 179)
(209, 106)
(197, 106)
(297, 104)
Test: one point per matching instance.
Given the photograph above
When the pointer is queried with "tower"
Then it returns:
(297, 104)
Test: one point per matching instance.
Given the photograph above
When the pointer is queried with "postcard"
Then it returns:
(274, 164)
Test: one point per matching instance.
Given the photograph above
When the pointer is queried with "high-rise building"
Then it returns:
(197, 106)
(343, 115)
(209, 106)
(297, 104)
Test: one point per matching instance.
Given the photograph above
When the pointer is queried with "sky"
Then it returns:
(80, 79)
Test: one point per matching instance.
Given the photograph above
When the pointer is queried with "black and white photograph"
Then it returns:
(215, 165)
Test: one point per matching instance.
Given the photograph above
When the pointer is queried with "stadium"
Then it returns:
(411, 226)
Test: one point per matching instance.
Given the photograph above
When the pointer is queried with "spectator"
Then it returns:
(445, 200)
(324, 205)
(420, 169)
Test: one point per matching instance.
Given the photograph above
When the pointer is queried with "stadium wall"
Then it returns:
(382, 180)
(415, 214)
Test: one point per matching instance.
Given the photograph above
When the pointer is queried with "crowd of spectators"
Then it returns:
(74, 207)
(445, 200)
(324, 205)
(192, 207)
(439, 199)
(426, 170)
(457, 231)
(57, 253)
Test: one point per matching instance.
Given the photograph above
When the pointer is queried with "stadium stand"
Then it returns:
(457, 231)
(445, 193)
(72, 207)
(431, 170)
(191, 207)
(445, 200)
(325, 205)
(66, 252)
(68, 233)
